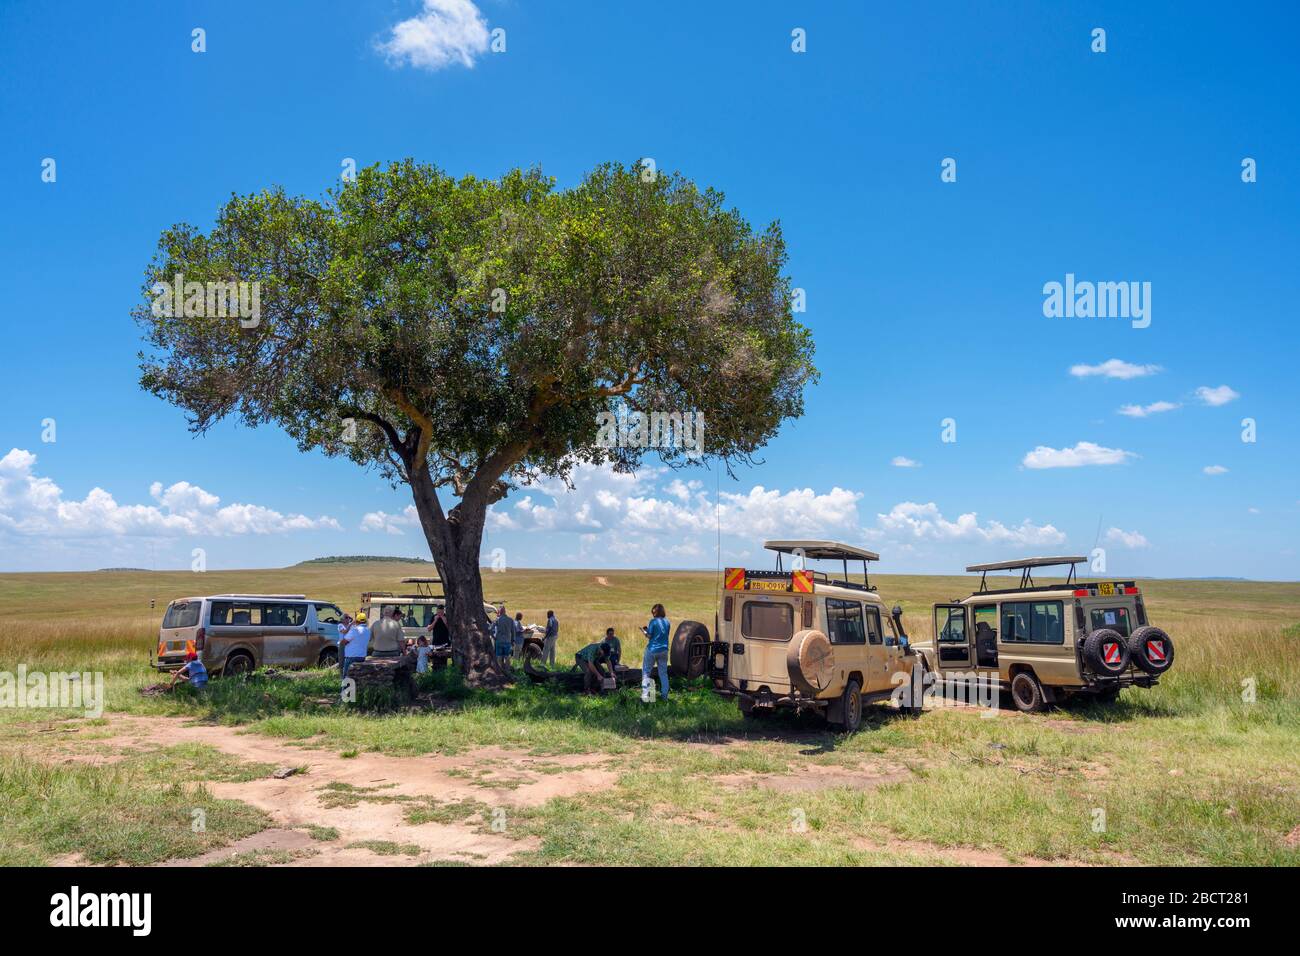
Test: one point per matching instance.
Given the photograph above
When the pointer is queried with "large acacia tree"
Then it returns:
(465, 335)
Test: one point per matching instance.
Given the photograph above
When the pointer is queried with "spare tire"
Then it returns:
(688, 654)
(810, 661)
(1151, 649)
(1106, 652)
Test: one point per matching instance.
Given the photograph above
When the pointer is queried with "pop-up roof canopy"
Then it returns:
(1026, 566)
(819, 550)
(826, 551)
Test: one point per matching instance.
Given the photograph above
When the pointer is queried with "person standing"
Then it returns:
(354, 639)
(439, 632)
(389, 635)
(656, 653)
(503, 632)
(422, 652)
(550, 639)
(518, 639)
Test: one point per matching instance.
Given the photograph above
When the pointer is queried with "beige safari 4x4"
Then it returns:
(801, 639)
(1047, 642)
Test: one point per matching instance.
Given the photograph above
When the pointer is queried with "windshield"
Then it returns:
(1115, 618)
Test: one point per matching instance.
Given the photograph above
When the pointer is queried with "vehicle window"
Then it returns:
(953, 630)
(844, 622)
(182, 615)
(986, 614)
(328, 614)
(1033, 622)
(1115, 618)
(769, 622)
(284, 615)
(236, 613)
(873, 626)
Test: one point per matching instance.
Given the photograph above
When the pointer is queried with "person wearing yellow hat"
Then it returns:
(354, 641)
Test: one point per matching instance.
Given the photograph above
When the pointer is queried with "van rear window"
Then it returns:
(182, 615)
(1115, 618)
(768, 622)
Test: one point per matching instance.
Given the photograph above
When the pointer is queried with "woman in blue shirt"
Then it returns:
(656, 653)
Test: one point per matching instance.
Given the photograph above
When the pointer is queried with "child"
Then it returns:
(193, 671)
(422, 652)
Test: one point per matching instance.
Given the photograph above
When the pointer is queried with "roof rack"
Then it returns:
(1026, 568)
(281, 597)
(817, 550)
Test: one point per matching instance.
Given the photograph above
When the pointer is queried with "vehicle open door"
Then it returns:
(952, 636)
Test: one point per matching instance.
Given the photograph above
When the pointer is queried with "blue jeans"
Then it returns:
(648, 662)
(345, 663)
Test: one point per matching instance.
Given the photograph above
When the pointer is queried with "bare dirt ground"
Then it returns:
(381, 789)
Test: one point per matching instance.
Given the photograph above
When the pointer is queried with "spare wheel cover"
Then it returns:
(811, 661)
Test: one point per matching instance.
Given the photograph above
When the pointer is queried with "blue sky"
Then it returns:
(925, 297)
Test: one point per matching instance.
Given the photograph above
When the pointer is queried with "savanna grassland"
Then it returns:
(1203, 769)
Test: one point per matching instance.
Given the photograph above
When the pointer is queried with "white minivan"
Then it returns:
(236, 633)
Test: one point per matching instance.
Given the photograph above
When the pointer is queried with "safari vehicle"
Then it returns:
(235, 633)
(1044, 643)
(418, 611)
(801, 639)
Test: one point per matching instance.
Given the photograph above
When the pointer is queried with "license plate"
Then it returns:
(768, 585)
(1106, 589)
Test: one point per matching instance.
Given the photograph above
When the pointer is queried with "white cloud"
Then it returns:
(1142, 411)
(912, 520)
(1083, 453)
(1114, 368)
(1215, 470)
(443, 33)
(33, 505)
(390, 523)
(1127, 539)
(1220, 395)
(898, 461)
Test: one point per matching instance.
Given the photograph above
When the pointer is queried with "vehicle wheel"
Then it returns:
(329, 657)
(1027, 693)
(533, 651)
(810, 661)
(1106, 652)
(688, 654)
(749, 711)
(851, 706)
(237, 663)
(1151, 649)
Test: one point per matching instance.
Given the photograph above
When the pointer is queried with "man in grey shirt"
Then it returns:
(551, 637)
(388, 636)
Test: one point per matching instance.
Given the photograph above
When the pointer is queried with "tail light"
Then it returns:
(199, 638)
(727, 608)
(1082, 592)
(1132, 591)
(807, 614)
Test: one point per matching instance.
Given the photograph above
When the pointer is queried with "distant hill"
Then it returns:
(122, 569)
(358, 558)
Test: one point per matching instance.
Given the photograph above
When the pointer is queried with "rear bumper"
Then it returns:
(166, 664)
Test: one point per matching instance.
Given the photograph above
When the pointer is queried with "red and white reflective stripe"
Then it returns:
(1111, 652)
(1156, 650)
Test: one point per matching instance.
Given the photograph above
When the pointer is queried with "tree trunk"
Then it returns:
(454, 542)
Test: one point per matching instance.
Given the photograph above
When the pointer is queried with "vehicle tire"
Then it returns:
(533, 651)
(1106, 652)
(851, 708)
(810, 661)
(915, 702)
(688, 654)
(329, 657)
(749, 711)
(1151, 649)
(238, 662)
(1027, 693)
